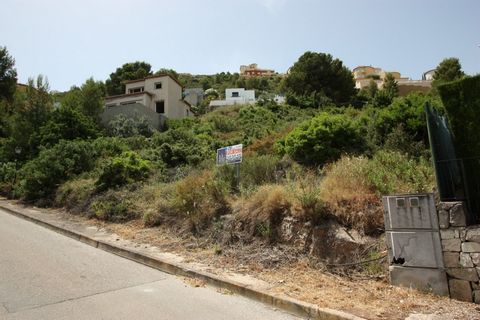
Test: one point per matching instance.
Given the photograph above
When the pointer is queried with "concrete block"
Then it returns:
(468, 274)
(431, 280)
(476, 296)
(443, 219)
(447, 234)
(475, 285)
(466, 260)
(452, 245)
(473, 235)
(471, 247)
(418, 249)
(475, 258)
(457, 215)
(460, 290)
(446, 206)
(451, 259)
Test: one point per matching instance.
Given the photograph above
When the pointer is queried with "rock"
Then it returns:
(451, 259)
(473, 235)
(447, 234)
(457, 215)
(476, 296)
(469, 274)
(294, 232)
(475, 258)
(466, 260)
(460, 290)
(334, 243)
(451, 245)
(471, 247)
(443, 219)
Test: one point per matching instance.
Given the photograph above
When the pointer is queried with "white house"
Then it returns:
(235, 96)
(155, 98)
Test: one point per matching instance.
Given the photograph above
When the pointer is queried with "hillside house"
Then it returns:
(235, 96)
(154, 98)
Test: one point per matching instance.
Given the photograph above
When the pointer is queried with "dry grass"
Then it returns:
(347, 194)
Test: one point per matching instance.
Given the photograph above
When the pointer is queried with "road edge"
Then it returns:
(290, 305)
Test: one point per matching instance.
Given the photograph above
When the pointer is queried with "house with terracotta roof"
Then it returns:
(154, 98)
(364, 75)
(252, 70)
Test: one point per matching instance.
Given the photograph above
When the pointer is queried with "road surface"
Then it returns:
(44, 275)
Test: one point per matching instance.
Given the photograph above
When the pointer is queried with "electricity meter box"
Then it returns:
(413, 242)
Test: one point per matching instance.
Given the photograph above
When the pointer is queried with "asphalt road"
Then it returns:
(44, 275)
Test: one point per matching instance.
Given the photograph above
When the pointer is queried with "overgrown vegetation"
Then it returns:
(315, 160)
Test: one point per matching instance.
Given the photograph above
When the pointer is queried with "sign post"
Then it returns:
(231, 155)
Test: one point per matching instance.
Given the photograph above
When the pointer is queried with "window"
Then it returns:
(160, 106)
(135, 90)
(158, 85)
(235, 95)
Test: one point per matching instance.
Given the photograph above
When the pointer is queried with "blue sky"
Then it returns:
(69, 41)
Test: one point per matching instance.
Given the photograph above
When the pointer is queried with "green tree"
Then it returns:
(170, 72)
(92, 94)
(8, 75)
(320, 75)
(390, 86)
(66, 123)
(128, 71)
(31, 111)
(449, 69)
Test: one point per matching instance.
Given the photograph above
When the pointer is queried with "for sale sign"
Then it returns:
(229, 155)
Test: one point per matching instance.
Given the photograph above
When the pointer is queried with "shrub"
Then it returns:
(122, 126)
(305, 191)
(263, 211)
(461, 99)
(75, 194)
(352, 186)
(201, 198)
(323, 138)
(124, 169)
(393, 172)
(8, 172)
(254, 171)
(109, 146)
(112, 206)
(67, 124)
(41, 176)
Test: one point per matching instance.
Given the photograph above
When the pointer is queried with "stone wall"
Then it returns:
(461, 251)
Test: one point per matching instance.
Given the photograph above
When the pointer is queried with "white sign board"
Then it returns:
(230, 155)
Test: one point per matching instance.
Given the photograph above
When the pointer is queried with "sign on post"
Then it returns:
(230, 155)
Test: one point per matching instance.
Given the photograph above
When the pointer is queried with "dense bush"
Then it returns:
(67, 124)
(377, 124)
(122, 126)
(127, 168)
(8, 172)
(41, 176)
(323, 138)
(461, 99)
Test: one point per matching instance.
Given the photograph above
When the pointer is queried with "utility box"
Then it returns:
(413, 242)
